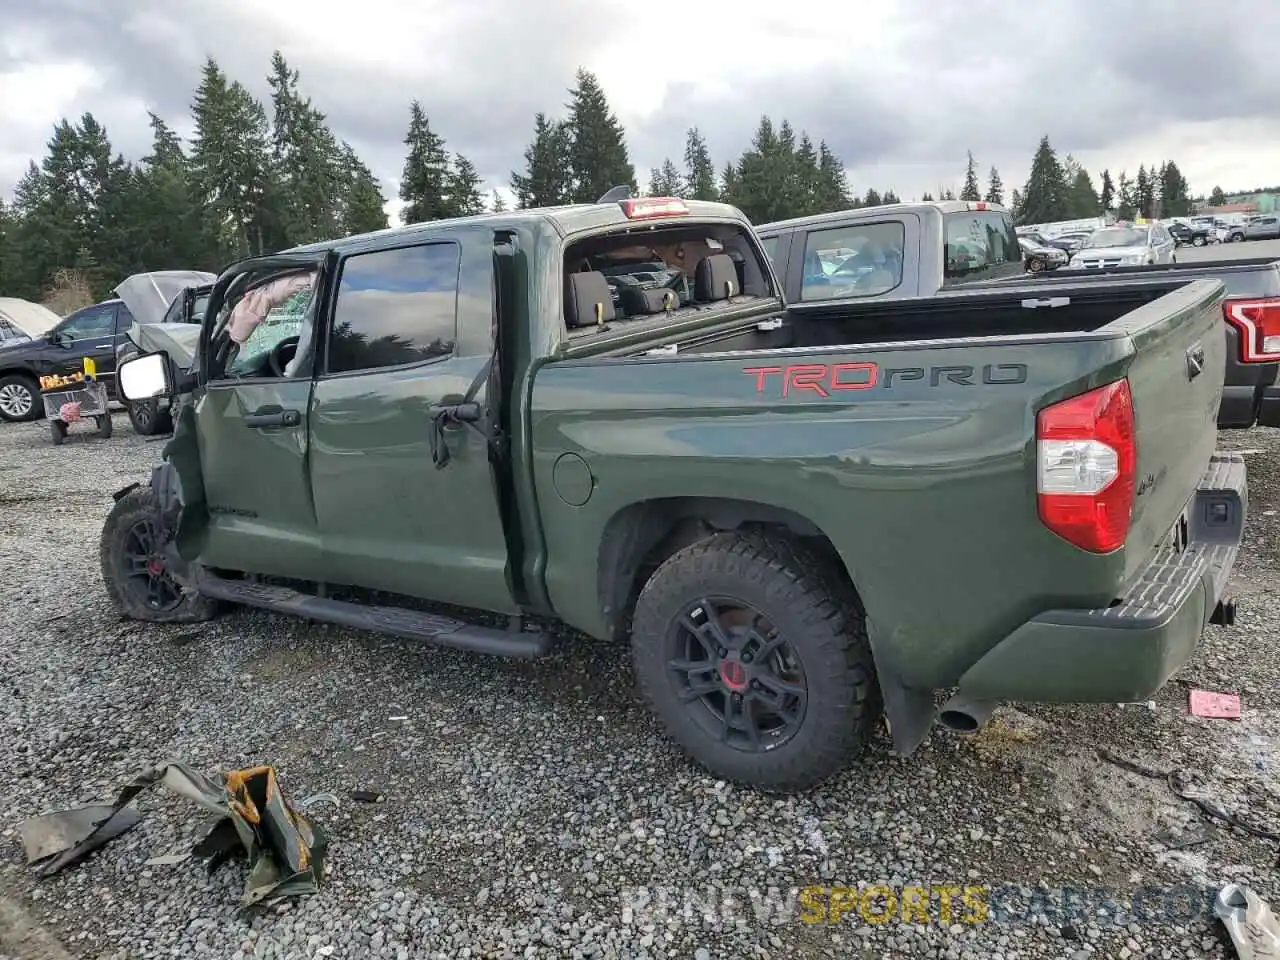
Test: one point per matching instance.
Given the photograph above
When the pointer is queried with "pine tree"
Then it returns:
(970, 191)
(1044, 198)
(1174, 192)
(995, 187)
(666, 181)
(309, 173)
(548, 179)
(598, 158)
(1144, 192)
(872, 199)
(1082, 201)
(1126, 201)
(730, 188)
(948, 194)
(1016, 205)
(462, 196)
(1107, 195)
(169, 229)
(231, 166)
(1217, 198)
(700, 173)
(365, 208)
(927, 198)
(890, 197)
(833, 184)
(425, 180)
(498, 204)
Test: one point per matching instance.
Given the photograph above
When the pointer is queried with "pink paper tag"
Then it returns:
(1219, 705)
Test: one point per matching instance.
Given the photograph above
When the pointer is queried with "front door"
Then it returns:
(90, 332)
(250, 422)
(389, 518)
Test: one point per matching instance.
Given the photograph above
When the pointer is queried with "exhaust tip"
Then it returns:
(964, 715)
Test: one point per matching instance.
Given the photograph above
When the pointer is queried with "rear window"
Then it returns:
(861, 260)
(980, 246)
(770, 245)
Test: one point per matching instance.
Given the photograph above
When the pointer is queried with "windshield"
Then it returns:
(1117, 237)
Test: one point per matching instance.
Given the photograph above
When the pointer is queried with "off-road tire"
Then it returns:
(159, 422)
(821, 619)
(132, 508)
(37, 407)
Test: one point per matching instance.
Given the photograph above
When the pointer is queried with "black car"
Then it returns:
(1184, 234)
(97, 331)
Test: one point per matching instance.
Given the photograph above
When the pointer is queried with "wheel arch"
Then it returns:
(639, 537)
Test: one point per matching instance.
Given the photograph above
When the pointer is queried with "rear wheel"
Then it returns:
(1199, 241)
(19, 399)
(133, 566)
(1034, 265)
(754, 655)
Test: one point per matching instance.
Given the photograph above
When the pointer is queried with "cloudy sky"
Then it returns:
(900, 89)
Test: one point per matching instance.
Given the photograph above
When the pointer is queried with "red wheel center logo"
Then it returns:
(733, 674)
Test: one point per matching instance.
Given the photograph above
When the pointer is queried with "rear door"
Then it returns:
(410, 329)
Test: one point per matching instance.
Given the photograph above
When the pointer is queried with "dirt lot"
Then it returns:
(527, 803)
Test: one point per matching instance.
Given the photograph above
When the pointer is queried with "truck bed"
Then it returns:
(1001, 310)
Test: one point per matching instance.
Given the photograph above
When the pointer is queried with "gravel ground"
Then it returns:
(526, 803)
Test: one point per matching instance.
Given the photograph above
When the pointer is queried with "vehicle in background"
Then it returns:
(1251, 315)
(1263, 228)
(461, 412)
(1187, 234)
(1215, 229)
(96, 331)
(1071, 242)
(901, 250)
(1129, 245)
(1251, 395)
(1038, 257)
(175, 332)
(22, 320)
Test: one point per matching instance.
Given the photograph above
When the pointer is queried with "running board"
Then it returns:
(396, 621)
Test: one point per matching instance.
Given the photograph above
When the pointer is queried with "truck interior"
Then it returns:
(650, 277)
(1021, 311)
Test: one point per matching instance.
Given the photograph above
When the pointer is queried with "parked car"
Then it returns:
(1252, 392)
(1070, 242)
(1123, 245)
(1263, 228)
(96, 331)
(1186, 234)
(152, 417)
(460, 412)
(1039, 257)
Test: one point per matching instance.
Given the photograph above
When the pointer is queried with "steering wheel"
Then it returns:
(281, 354)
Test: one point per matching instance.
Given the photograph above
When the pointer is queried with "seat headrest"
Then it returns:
(588, 300)
(716, 278)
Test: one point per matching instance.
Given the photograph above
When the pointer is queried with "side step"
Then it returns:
(396, 621)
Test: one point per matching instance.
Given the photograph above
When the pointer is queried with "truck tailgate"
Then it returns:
(1176, 377)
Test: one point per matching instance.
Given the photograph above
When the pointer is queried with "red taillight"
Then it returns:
(646, 208)
(1258, 322)
(1087, 457)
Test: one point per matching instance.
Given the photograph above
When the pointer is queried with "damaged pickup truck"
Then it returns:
(800, 517)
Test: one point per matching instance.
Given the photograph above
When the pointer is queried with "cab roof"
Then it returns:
(565, 220)
(884, 209)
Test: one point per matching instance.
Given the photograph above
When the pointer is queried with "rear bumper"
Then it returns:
(1128, 651)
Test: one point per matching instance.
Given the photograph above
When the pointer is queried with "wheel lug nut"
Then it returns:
(746, 658)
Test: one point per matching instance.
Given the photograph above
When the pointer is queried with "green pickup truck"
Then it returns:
(800, 517)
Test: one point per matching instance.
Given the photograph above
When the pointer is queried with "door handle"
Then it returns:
(269, 417)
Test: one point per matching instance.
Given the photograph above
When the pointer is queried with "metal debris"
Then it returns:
(284, 849)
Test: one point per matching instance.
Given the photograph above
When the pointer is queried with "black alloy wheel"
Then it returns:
(738, 678)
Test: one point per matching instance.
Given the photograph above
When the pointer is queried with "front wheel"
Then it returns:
(1199, 241)
(133, 566)
(754, 654)
(19, 399)
(1034, 265)
(148, 419)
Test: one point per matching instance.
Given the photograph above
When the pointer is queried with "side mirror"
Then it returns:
(145, 377)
